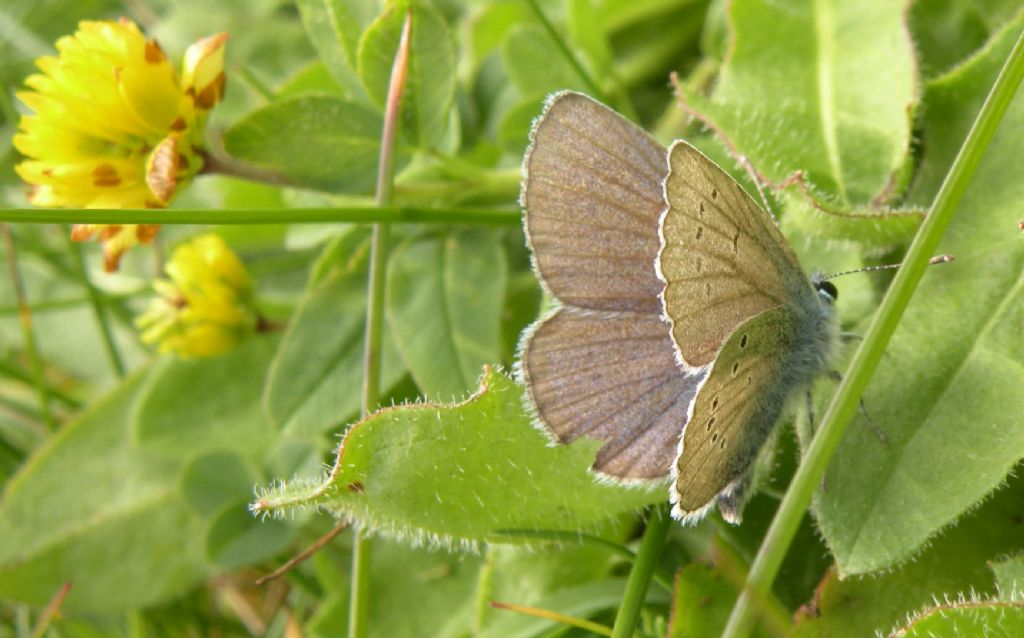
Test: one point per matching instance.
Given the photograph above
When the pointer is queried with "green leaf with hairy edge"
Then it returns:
(319, 142)
(1009, 578)
(956, 619)
(434, 592)
(941, 397)
(444, 303)
(701, 602)
(869, 228)
(826, 87)
(334, 27)
(91, 507)
(535, 65)
(955, 562)
(430, 82)
(455, 473)
(315, 378)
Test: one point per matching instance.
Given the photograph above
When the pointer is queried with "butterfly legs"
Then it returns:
(837, 377)
(734, 496)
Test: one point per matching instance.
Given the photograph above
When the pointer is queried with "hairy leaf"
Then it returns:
(456, 473)
(941, 396)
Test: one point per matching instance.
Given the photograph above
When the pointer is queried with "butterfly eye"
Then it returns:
(828, 289)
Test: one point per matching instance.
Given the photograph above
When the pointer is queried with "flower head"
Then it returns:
(207, 307)
(114, 126)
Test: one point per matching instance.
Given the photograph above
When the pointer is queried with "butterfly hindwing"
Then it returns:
(733, 415)
(610, 376)
(592, 196)
(723, 259)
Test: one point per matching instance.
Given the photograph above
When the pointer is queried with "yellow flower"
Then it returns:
(114, 126)
(207, 307)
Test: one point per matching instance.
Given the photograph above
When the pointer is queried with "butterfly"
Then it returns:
(684, 320)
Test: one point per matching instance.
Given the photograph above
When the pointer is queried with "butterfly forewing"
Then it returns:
(733, 414)
(723, 259)
(610, 376)
(592, 194)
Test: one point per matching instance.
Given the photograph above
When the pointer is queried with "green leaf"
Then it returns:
(1009, 578)
(213, 480)
(188, 406)
(701, 602)
(315, 378)
(489, 26)
(430, 82)
(965, 618)
(587, 31)
(941, 398)
(236, 539)
(441, 586)
(582, 601)
(444, 305)
(945, 32)
(316, 142)
(92, 508)
(456, 473)
(526, 575)
(827, 87)
(535, 65)
(955, 562)
(312, 79)
(334, 28)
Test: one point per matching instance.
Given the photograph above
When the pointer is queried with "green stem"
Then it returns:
(362, 547)
(640, 575)
(99, 309)
(27, 333)
(354, 214)
(844, 405)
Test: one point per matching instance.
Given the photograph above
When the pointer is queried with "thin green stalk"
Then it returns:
(639, 580)
(362, 546)
(99, 309)
(844, 404)
(353, 214)
(27, 333)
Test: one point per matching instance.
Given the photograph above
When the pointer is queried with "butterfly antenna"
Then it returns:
(938, 259)
(754, 177)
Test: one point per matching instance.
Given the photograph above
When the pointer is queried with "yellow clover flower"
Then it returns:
(115, 126)
(207, 307)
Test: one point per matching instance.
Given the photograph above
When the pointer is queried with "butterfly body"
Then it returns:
(685, 320)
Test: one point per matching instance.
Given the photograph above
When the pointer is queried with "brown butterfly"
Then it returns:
(684, 321)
